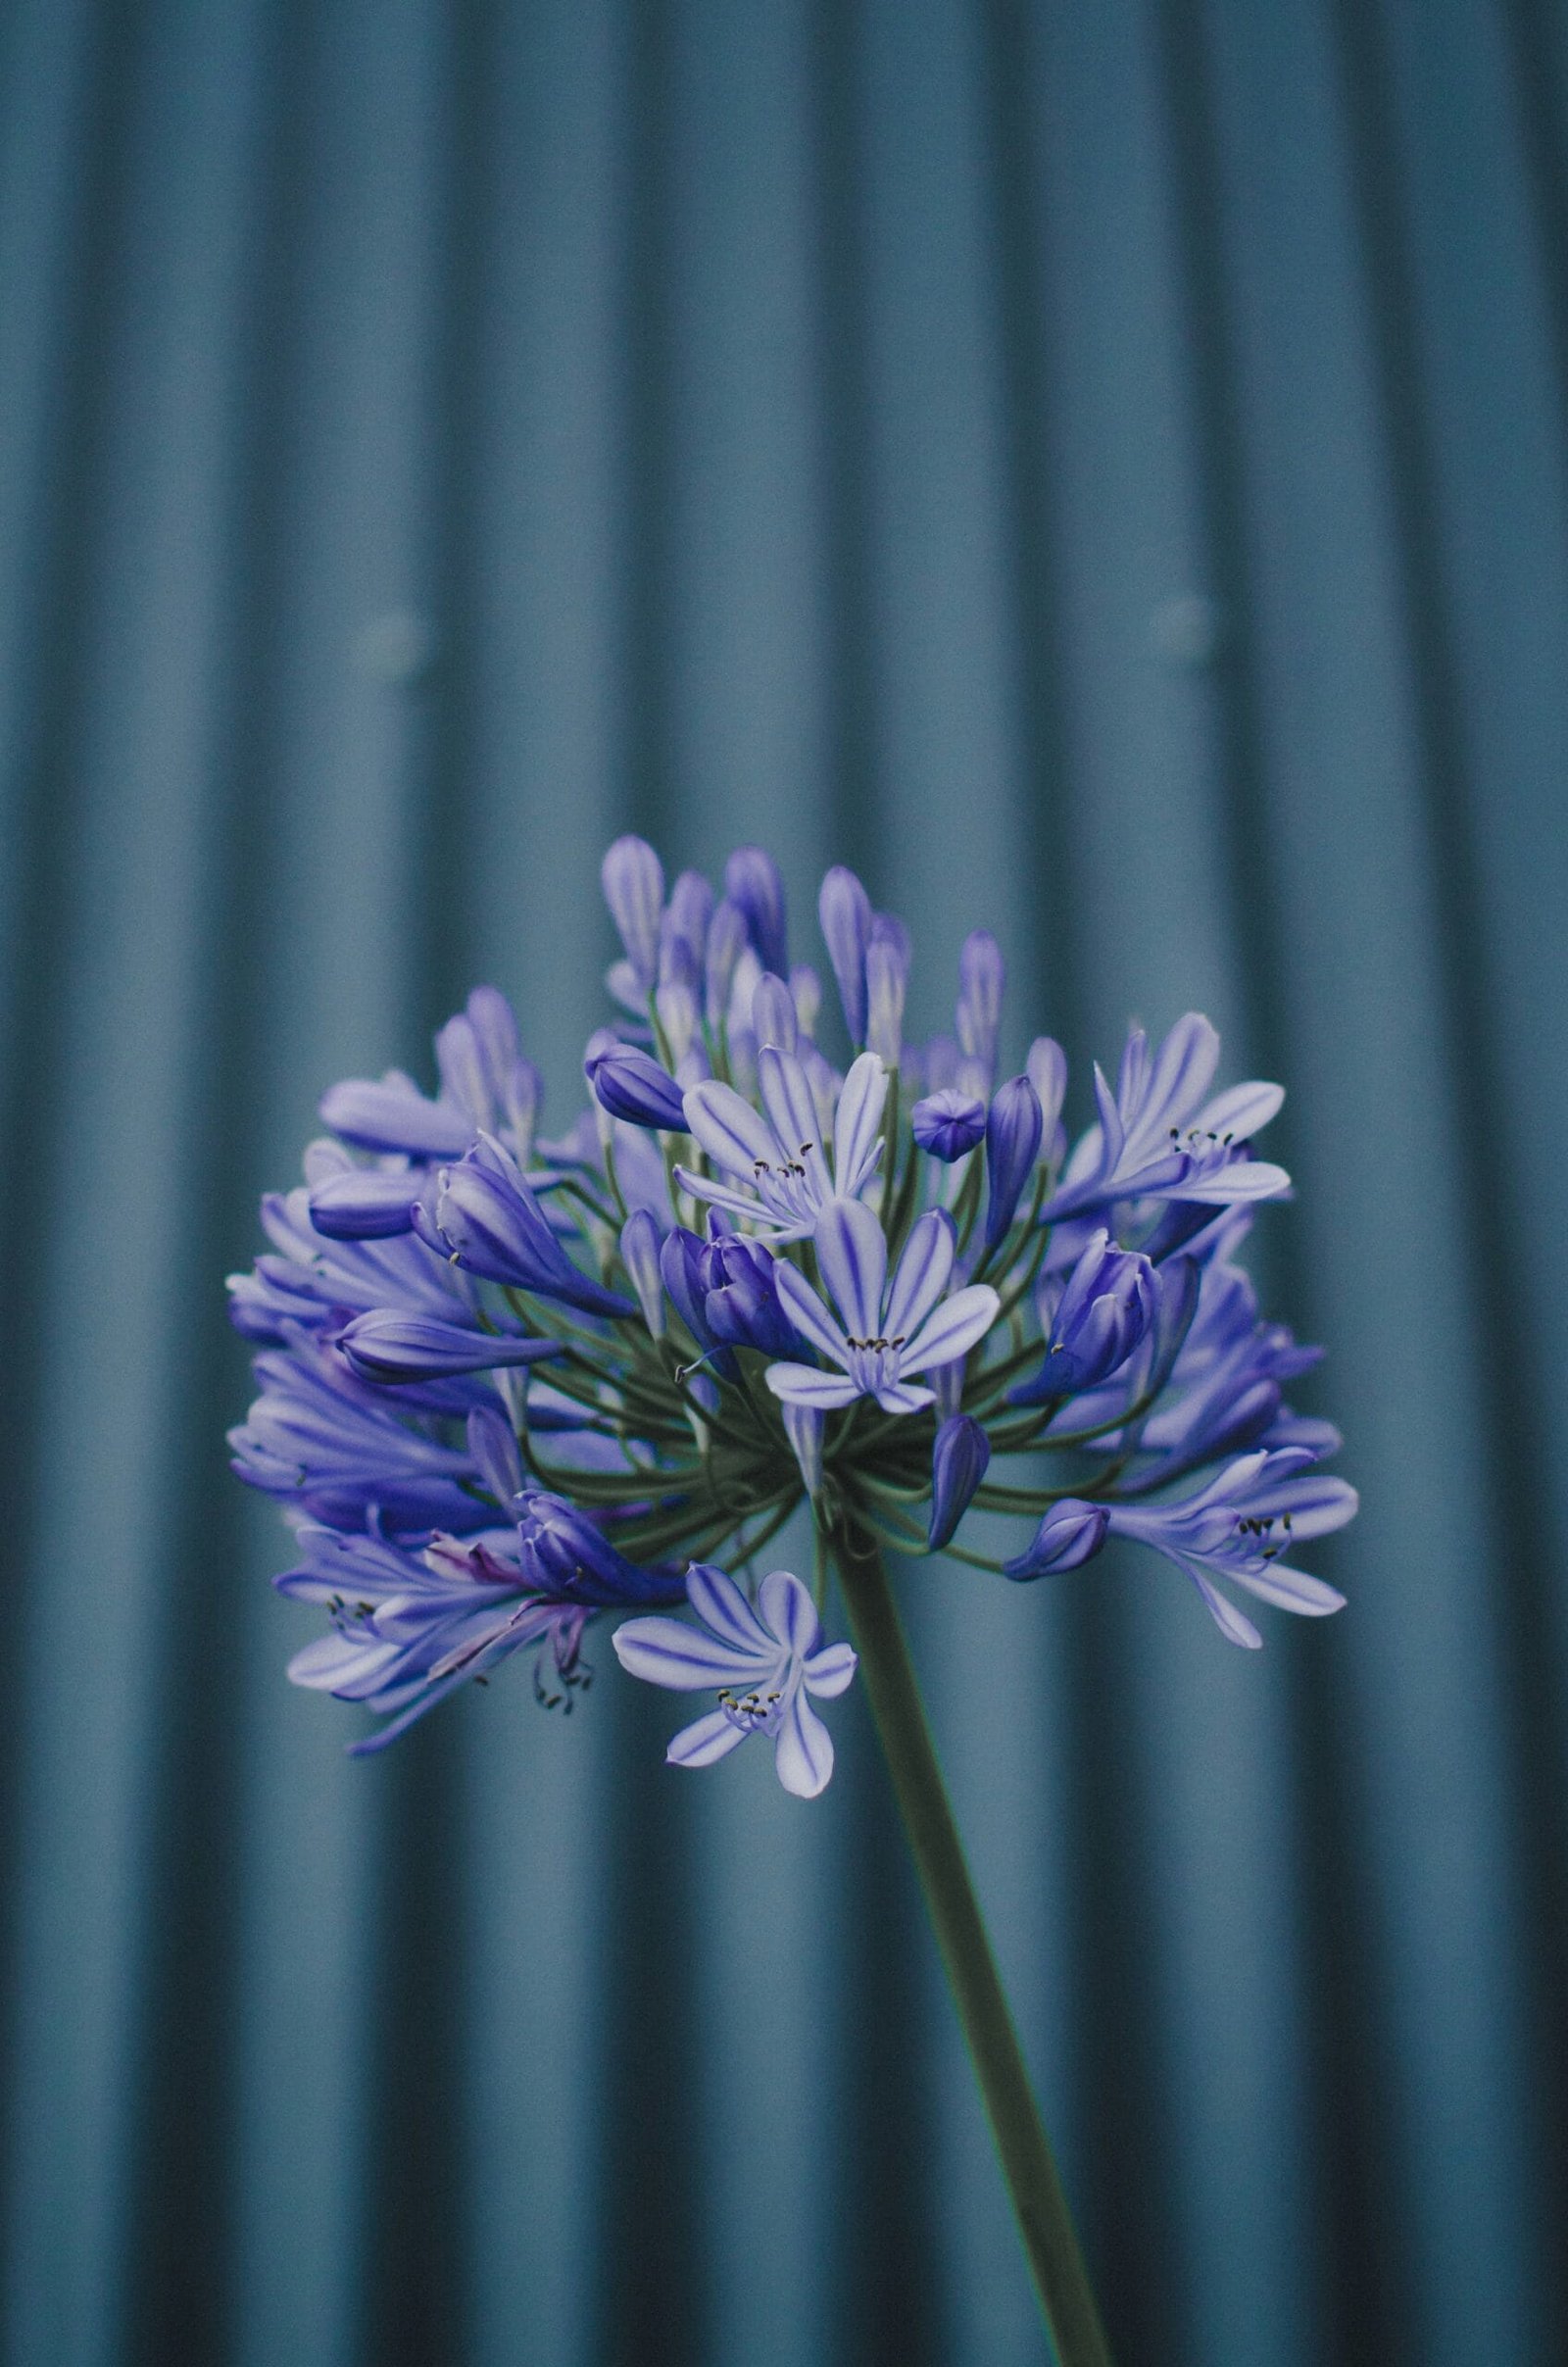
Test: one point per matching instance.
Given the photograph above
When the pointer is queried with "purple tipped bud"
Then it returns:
(493, 1445)
(1104, 1311)
(630, 1085)
(803, 1426)
(806, 988)
(1012, 1145)
(388, 1347)
(727, 942)
(395, 1115)
(887, 979)
(844, 911)
(365, 1204)
(740, 1296)
(773, 1017)
(948, 1124)
(1047, 1070)
(488, 1221)
(683, 930)
(676, 1003)
(563, 1553)
(958, 1463)
(982, 975)
(1069, 1535)
(639, 1250)
(635, 889)
(752, 880)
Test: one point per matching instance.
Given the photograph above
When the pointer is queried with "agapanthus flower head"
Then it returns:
(509, 1386)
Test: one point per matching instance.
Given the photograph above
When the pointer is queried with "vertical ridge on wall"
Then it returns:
(1103, 476)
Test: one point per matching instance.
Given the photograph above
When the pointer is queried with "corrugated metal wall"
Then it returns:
(1103, 471)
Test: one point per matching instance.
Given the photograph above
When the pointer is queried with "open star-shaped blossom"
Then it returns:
(1160, 1136)
(888, 1332)
(780, 1156)
(762, 1661)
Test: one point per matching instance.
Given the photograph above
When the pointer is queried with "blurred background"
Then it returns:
(1101, 471)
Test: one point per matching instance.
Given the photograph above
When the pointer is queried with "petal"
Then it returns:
(1289, 1590)
(1241, 1111)
(789, 1614)
(1184, 1071)
(804, 1385)
(804, 1751)
(707, 1742)
(722, 1605)
(830, 1671)
(899, 1396)
(852, 1252)
(959, 1322)
(736, 1204)
(922, 1275)
(666, 1652)
(729, 1129)
(854, 1126)
(807, 1312)
(1233, 1625)
(787, 1097)
(1241, 1179)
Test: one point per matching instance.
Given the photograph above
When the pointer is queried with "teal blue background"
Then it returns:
(1102, 470)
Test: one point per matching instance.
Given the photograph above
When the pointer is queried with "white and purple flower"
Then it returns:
(762, 1660)
(888, 1333)
(779, 1155)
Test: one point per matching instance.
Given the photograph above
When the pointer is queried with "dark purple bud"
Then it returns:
(678, 1257)
(958, 1462)
(1012, 1145)
(395, 1115)
(563, 1553)
(635, 889)
(844, 911)
(365, 1204)
(774, 1018)
(948, 1124)
(630, 1085)
(982, 975)
(887, 980)
(740, 1296)
(1070, 1534)
(752, 880)
(639, 1250)
(386, 1346)
(1106, 1309)
(489, 1221)
(727, 942)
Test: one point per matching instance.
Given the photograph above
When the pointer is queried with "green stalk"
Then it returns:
(1039, 2203)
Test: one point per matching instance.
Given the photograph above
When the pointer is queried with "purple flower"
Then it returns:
(737, 1279)
(1160, 1136)
(752, 883)
(631, 1086)
(1012, 1145)
(563, 1551)
(948, 1124)
(958, 1463)
(1238, 1528)
(982, 976)
(780, 1156)
(1093, 1323)
(488, 1221)
(408, 1628)
(889, 1333)
(1069, 1535)
(762, 1661)
(887, 982)
(844, 910)
(387, 1346)
(633, 881)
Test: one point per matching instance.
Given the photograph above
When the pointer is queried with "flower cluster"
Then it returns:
(511, 1382)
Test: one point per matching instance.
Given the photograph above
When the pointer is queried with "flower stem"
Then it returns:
(1045, 2221)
